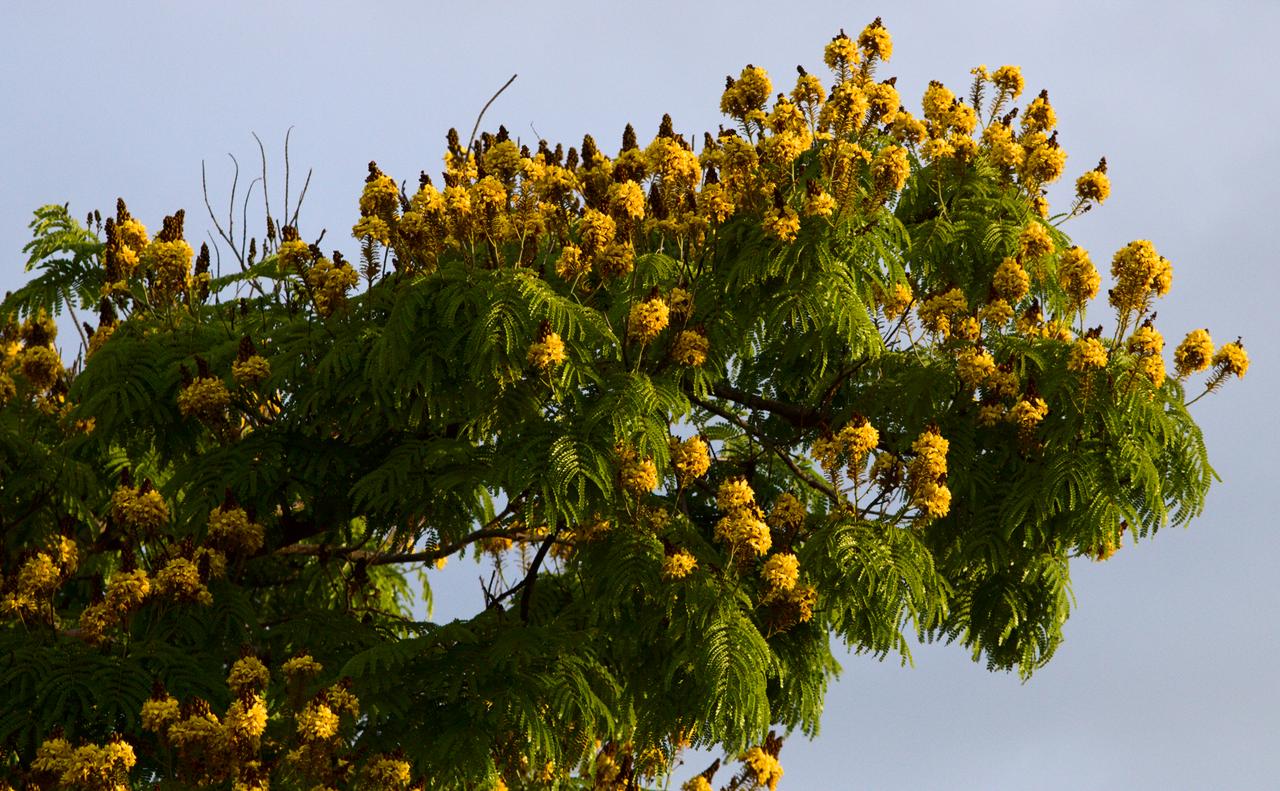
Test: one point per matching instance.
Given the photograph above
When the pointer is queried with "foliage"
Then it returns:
(827, 377)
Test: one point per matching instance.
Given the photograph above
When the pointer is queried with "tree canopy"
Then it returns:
(705, 407)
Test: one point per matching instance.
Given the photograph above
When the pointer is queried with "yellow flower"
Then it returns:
(159, 713)
(937, 103)
(596, 230)
(627, 199)
(937, 312)
(690, 458)
(974, 367)
(246, 720)
(933, 499)
(733, 494)
(389, 774)
(1009, 79)
(696, 783)
(180, 579)
(780, 572)
(294, 254)
(1011, 281)
(997, 312)
(819, 204)
(931, 455)
(1087, 353)
(1232, 359)
(1039, 115)
(317, 722)
(1195, 353)
(787, 512)
(782, 224)
(1028, 412)
(884, 100)
(648, 319)
(1146, 340)
(895, 300)
(1078, 276)
(638, 475)
(875, 41)
(572, 263)
(747, 95)
(1043, 164)
(248, 674)
(251, 370)
(890, 168)
(1093, 185)
(301, 667)
(690, 348)
(764, 767)
(127, 591)
(41, 365)
(1139, 272)
(678, 565)
(1152, 367)
(840, 53)
(1034, 242)
(743, 527)
(146, 511)
(547, 352)
(204, 398)
(232, 528)
(381, 196)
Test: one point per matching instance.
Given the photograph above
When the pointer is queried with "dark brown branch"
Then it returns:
(532, 575)
(798, 416)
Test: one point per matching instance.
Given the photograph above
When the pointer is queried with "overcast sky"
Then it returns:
(1169, 677)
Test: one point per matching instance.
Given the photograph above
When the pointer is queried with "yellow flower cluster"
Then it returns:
(230, 527)
(168, 264)
(38, 577)
(927, 474)
(780, 573)
(765, 768)
(648, 318)
(639, 476)
(975, 367)
(1194, 354)
(546, 352)
(742, 525)
(875, 41)
(1028, 412)
(302, 666)
(1011, 281)
(1139, 273)
(246, 719)
(1034, 242)
(678, 564)
(89, 767)
(180, 580)
(247, 675)
(691, 458)
(250, 371)
(848, 447)
(890, 168)
(782, 223)
(317, 722)
(330, 282)
(1079, 278)
(690, 348)
(206, 398)
(1093, 185)
(144, 510)
(1232, 359)
(1087, 354)
(894, 300)
(389, 774)
(938, 313)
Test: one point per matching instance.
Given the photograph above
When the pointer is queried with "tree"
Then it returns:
(828, 377)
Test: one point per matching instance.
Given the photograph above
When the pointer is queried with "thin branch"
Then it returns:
(476, 128)
(813, 482)
(798, 416)
(287, 133)
(266, 191)
(301, 197)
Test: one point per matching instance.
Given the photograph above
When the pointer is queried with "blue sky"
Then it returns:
(1168, 678)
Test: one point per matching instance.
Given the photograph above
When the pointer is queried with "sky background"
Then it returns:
(1168, 678)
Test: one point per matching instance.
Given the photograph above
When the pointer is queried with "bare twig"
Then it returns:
(266, 191)
(476, 128)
